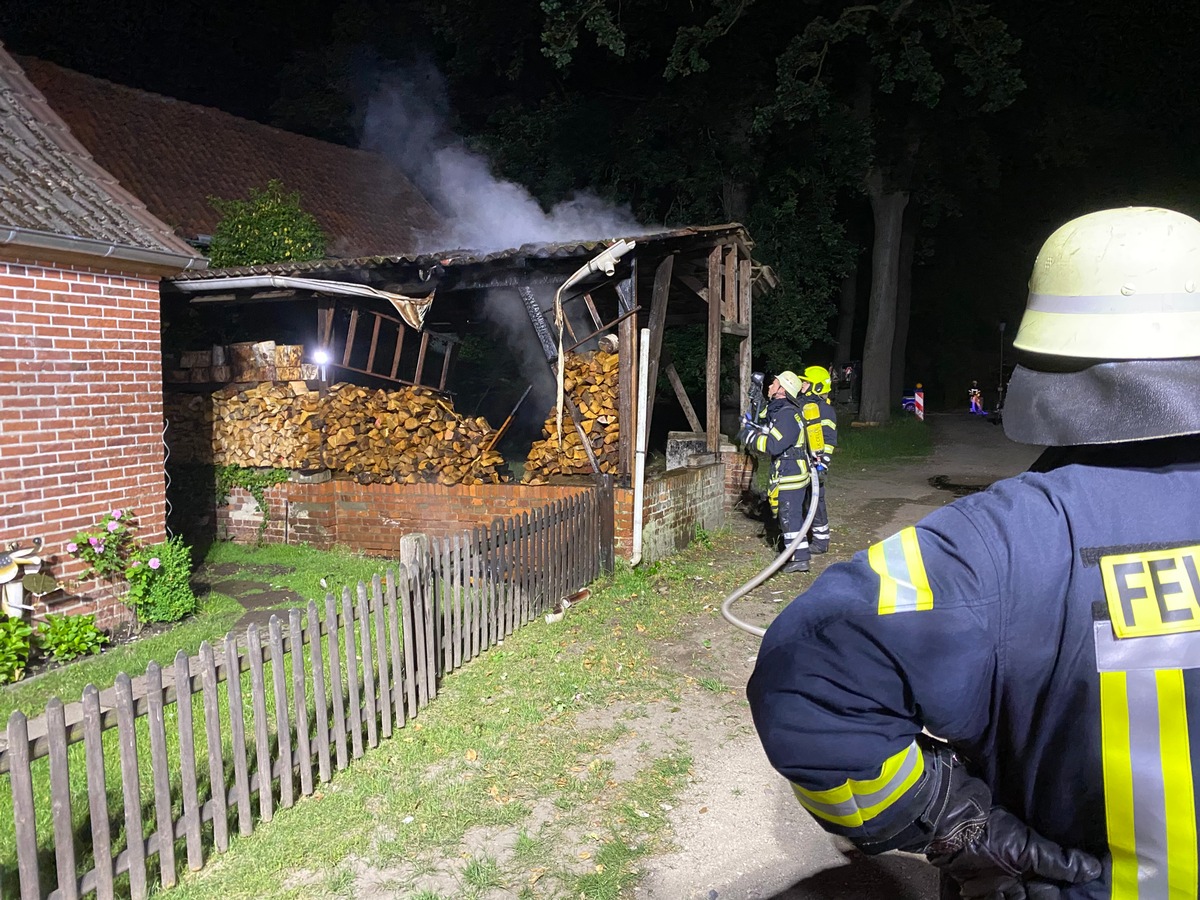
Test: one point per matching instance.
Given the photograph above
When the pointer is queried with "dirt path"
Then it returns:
(739, 831)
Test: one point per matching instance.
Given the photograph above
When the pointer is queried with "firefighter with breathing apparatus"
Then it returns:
(815, 383)
(1012, 686)
(788, 430)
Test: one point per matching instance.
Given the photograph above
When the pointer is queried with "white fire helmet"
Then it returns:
(1112, 332)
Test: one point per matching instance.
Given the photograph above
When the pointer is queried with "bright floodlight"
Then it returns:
(321, 357)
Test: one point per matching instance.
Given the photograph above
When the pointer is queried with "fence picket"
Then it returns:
(23, 814)
(187, 761)
(216, 761)
(237, 734)
(385, 696)
(454, 598)
(160, 769)
(93, 747)
(393, 616)
(320, 709)
(335, 681)
(428, 600)
(262, 743)
(131, 787)
(405, 583)
(283, 727)
(300, 702)
(441, 588)
(60, 800)
(352, 675)
(368, 670)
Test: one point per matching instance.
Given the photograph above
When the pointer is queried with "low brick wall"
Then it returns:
(372, 517)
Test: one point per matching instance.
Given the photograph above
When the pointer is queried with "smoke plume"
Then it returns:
(407, 121)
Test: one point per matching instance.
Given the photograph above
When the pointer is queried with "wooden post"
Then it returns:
(237, 734)
(604, 498)
(712, 379)
(60, 800)
(24, 817)
(131, 787)
(745, 346)
(187, 762)
(300, 701)
(283, 728)
(262, 745)
(627, 356)
(216, 761)
(320, 696)
(160, 767)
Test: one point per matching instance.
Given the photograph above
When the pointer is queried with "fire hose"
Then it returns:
(772, 567)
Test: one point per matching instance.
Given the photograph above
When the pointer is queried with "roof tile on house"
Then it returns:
(176, 155)
(50, 184)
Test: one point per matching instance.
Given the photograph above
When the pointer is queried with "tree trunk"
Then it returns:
(887, 208)
(908, 246)
(845, 327)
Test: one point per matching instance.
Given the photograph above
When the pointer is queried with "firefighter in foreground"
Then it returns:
(1046, 631)
(815, 384)
(788, 430)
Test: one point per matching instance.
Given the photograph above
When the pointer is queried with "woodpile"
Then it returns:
(377, 436)
(247, 362)
(590, 380)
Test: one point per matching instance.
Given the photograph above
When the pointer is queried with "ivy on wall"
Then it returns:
(255, 482)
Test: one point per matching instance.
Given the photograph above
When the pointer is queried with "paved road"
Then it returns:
(741, 834)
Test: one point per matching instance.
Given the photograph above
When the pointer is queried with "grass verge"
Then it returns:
(497, 752)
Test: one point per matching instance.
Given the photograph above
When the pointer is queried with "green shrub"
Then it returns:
(70, 637)
(15, 640)
(269, 227)
(159, 582)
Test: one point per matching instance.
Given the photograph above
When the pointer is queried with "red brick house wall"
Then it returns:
(80, 413)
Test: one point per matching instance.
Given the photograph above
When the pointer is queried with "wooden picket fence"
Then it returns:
(408, 630)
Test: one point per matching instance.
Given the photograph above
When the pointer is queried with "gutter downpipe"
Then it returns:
(639, 464)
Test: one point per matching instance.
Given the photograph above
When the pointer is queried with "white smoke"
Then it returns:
(407, 121)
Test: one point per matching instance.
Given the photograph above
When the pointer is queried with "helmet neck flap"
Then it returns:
(1107, 402)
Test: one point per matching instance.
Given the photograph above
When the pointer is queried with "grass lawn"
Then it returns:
(497, 749)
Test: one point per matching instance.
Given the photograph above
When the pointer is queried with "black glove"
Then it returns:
(990, 854)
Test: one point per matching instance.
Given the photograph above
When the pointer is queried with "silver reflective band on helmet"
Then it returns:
(1116, 284)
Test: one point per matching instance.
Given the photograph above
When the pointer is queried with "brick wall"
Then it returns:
(372, 517)
(677, 504)
(81, 412)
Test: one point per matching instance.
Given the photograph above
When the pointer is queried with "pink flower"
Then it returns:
(135, 564)
(113, 526)
(154, 562)
(100, 547)
(72, 547)
(94, 541)
(117, 513)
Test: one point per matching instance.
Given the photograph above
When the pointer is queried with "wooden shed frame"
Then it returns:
(698, 275)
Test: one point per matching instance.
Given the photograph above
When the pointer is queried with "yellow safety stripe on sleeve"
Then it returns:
(776, 433)
(854, 803)
(760, 443)
(903, 584)
(1149, 800)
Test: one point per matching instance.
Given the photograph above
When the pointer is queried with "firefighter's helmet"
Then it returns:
(1112, 329)
(790, 382)
(819, 378)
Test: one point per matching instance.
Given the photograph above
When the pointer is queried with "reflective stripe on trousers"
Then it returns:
(1148, 788)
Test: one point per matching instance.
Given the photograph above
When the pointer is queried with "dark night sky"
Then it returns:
(1110, 117)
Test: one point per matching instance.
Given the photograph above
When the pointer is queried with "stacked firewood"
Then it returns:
(248, 362)
(590, 380)
(407, 436)
(377, 436)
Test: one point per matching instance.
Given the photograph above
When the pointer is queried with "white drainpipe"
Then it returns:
(639, 465)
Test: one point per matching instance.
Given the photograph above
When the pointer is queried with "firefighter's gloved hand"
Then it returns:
(820, 462)
(990, 854)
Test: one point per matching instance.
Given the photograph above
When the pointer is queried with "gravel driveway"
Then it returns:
(739, 831)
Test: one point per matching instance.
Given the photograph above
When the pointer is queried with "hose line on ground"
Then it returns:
(772, 567)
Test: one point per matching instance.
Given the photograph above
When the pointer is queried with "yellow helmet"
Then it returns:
(790, 382)
(819, 378)
(1112, 326)
(1116, 284)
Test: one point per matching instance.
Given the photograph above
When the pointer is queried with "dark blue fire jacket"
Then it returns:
(1048, 629)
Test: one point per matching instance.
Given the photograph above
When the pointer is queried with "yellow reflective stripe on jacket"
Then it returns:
(853, 803)
(1148, 791)
(903, 584)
